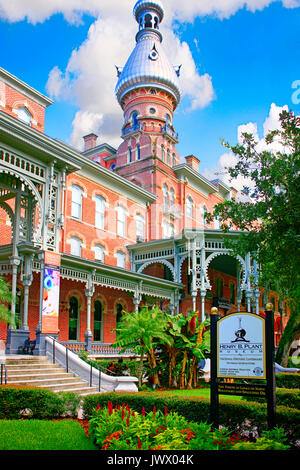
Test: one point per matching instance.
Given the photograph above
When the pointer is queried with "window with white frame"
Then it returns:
(172, 199)
(121, 221)
(165, 197)
(99, 253)
(138, 152)
(163, 153)
(77, 194)
(129, 155)
(121, 258)
(189, 207)
(168, 230)
(100, 212)
(24, 115)
(76, 245)
(168, 157)
(217, 223)
(140, 227)
(203, 212)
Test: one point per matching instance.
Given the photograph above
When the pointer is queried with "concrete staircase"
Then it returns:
(38, 371)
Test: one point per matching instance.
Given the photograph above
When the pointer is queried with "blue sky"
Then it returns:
(252, 58)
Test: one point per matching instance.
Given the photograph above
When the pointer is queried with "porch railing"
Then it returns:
(97, 348)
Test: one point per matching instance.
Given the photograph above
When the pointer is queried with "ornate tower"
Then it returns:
(148, 91)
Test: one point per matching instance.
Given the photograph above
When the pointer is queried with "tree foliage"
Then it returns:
(270, 217)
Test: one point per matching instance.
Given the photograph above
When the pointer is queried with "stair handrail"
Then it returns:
(3, 368)
(60, 354)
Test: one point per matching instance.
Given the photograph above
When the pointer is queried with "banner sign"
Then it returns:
(241, 346)
(51, 289)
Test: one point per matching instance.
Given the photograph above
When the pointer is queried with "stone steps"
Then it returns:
(38, 371)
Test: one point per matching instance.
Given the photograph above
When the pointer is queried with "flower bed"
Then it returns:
(121, 428)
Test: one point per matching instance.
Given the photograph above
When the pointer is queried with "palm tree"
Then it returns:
(142, 331)
(5, 299)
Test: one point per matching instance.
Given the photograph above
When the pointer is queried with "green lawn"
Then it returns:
(43, 435)
(201, 393)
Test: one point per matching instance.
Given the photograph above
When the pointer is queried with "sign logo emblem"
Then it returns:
(240, 334)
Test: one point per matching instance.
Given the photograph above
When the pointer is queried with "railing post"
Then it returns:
(53, 351)
(99, 384)
(67, 360)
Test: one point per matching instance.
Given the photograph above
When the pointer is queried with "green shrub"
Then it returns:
(286, 380)
(231, 413)
(284, 397)
(17, 402)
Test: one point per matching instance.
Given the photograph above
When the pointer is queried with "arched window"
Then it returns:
(99, 253)
(140, 226)
(73, 319)
(216, 223)
(76, 246)
(100, 212)
(168, 230)
(168, 157)
(129, 155)
(172, 199)
(163, 153)
(98, 320)
(174, 159)
(138, 152)
(119, 312)
(76, 202)
(165, 198)
(121, 222)
(134, 118)
(24, 115)
(121, 258)
(189, 207)
(148, 21)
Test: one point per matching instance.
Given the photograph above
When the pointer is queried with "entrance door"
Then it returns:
(98, 316)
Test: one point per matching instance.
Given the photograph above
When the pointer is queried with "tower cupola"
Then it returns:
(148, 65)
(148, 14)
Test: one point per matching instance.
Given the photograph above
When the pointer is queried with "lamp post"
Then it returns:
(270, 369)
(214, 400)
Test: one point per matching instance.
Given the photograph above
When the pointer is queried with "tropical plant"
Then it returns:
(5, 299)
(142, 331)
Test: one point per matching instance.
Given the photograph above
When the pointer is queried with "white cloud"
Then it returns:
(229, 160)
(89, 77)
(38, 11)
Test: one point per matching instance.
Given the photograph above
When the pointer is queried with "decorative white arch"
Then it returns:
(35, 193)
(226, 253)
(162, 261)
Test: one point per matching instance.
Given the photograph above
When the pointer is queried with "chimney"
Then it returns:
(233, 193)
(90, 141)
(193, 162)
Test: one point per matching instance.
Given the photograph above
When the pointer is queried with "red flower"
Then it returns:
(139, 446)
(143, 411)
(166, 411)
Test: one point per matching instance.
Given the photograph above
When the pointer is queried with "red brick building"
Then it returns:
(112, 229)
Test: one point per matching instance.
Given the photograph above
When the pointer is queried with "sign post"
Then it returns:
(242, 359)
